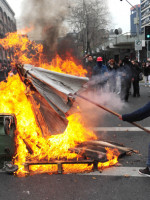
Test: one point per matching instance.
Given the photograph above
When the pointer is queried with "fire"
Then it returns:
(25, 51)
(112, 157)
(29, 52)
(25, 30)
(65, 66)
(30, 145)
(14, 100)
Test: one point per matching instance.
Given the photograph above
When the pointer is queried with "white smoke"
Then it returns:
(94, 115)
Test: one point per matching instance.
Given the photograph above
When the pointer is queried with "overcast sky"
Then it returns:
(119, 10)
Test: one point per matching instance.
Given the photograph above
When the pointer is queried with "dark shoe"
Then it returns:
(138, 95)
(145, 171)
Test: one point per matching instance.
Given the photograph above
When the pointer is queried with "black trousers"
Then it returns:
(125, 88)
(136, 88)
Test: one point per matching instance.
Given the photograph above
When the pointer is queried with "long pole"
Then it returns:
(112, 112)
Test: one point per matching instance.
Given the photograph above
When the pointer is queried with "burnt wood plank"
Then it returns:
(58, 162)
(90, 153)
(103, 149)
(106, 144)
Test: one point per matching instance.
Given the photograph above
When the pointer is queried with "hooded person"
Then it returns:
(100, 73)
(136, 78)
(126, 77)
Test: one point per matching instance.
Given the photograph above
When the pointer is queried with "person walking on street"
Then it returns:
(139, 115)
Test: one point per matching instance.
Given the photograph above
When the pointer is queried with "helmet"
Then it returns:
(99, 59)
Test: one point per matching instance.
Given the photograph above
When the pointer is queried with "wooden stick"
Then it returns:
(112, 112)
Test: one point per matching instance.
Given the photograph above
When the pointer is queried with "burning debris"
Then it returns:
(51, 91)
(53, 153)
(40, 99)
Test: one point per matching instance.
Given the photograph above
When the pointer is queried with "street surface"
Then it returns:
(116, 183)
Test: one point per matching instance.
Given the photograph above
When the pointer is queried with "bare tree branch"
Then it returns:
(89, 19)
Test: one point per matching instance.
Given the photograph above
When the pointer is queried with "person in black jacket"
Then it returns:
(139, 115)
(136, 71)
(126, 77)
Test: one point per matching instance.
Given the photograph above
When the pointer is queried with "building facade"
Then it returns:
(7, 24)
(145, 13)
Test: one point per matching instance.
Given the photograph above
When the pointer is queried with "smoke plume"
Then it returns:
(46, 17)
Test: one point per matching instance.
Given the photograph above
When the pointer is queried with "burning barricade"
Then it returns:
(50, 135)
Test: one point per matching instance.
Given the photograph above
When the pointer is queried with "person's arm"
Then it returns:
(137, 115)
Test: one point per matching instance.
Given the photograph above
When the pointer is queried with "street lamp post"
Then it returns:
(137, 26)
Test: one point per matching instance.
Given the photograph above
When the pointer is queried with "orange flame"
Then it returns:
(29, 52)
(112, 157)
(14, 100)
(65, 66)
(25, 30)
(30, 145)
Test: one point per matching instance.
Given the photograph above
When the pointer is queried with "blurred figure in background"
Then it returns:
(145, 70)
(100, 74)
(118, 77)
(90, 65)
(112, 68)
(126, 77)
(136, 72)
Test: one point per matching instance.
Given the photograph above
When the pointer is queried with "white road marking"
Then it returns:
(118, 171)
(118, 129)
(126, 172)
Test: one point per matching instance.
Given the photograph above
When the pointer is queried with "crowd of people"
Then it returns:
(119, 77)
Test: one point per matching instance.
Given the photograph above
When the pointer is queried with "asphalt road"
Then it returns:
(94, 186)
